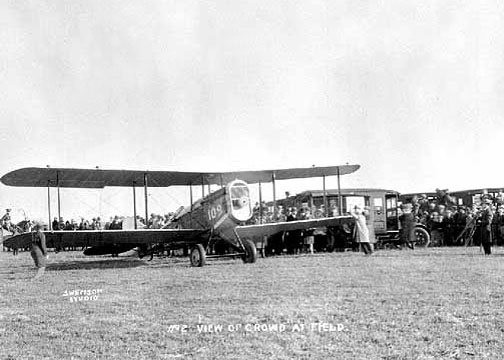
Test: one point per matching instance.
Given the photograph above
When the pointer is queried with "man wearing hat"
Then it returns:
(485, 222)
(407, 220)
(38, 249)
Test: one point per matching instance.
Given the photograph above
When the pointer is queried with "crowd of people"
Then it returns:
(263, 215)
(155, 221)
(447, 222)
(293, 241)
(451, 224)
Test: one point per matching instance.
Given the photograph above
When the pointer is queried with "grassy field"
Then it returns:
(436, 303)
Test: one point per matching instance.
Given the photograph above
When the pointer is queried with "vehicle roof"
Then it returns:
(471, 191)
(348, 191)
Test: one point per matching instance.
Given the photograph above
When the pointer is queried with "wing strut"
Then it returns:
(191, 200)
(134, 204)
(324, 195)
(49, 203)
(202, 187)
(273, 178)
(340, 203)
(146, 200)
(260, 204)
(59, 198)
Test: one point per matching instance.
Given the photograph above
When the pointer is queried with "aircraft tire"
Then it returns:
(197, 256)
(422, 237)
(250, 255)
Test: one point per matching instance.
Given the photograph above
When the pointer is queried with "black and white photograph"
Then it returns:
(251, 179)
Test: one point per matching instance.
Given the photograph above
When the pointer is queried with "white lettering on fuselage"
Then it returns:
(214, 212)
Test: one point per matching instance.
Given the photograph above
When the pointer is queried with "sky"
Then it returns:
(411, 91)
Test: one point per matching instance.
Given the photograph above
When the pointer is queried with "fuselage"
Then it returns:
(221, 211)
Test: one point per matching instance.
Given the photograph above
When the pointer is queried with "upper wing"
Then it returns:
(107, 237)
(98, 178)
(255, 231)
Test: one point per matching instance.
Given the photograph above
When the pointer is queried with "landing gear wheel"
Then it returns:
(422, 237)
(250, 255)
(198, 256)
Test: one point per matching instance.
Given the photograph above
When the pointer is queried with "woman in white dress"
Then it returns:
(362, 231)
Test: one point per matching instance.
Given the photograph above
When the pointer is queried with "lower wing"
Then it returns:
(109, 237)
(256, 231)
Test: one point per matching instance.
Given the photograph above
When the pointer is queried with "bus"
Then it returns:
(383, 220)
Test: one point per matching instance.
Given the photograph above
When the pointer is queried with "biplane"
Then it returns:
(217, 217)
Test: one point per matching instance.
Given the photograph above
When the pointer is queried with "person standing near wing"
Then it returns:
(362, 231)
(485, 223)
(308, 234)
(39, 250)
